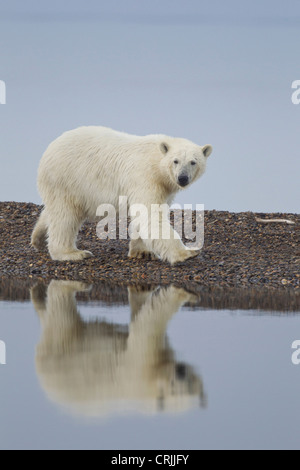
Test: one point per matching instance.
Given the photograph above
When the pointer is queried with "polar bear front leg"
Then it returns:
(169, 245)
(173, 250)
(169, 248)
(138, 249)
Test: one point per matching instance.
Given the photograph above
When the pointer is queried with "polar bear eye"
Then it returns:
(193, 163)
(176, 162)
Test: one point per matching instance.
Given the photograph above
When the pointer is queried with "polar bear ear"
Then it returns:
(164, 147)
(207, 149)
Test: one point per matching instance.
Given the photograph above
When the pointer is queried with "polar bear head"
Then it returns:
(182, 161)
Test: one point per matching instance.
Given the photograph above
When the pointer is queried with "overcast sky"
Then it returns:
(214, 72)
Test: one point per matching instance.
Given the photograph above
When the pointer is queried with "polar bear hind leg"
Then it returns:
(62, 235)
(39, 234)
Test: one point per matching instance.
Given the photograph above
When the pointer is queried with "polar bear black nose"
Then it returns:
(180, 371)
(183, 180)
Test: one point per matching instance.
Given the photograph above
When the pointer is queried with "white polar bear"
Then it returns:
(93, 165)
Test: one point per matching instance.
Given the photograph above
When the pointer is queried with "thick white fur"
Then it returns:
(93, 165)
(97, 367)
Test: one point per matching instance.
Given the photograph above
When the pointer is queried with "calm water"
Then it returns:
(149, 372)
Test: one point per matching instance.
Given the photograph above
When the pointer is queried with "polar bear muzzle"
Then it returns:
(183, 180)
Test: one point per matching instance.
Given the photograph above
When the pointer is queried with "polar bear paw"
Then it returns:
(184, 255)
(76, 255)
(147, 255)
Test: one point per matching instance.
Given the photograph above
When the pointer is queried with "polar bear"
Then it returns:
(94, 165)
(96, 367)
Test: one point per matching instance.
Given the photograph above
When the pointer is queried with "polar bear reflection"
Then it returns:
(98, 367)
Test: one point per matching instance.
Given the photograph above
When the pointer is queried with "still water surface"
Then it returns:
(153, 372)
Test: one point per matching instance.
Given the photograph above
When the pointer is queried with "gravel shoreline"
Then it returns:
(239, 253)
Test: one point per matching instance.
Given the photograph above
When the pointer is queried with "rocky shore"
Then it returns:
(242, 254)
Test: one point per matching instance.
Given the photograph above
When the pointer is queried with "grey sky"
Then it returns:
(214, 72)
